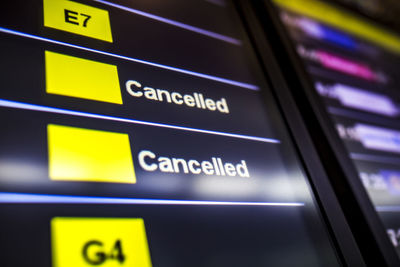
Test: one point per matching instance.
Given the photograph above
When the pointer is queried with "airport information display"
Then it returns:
(142, 133)
(354, 66)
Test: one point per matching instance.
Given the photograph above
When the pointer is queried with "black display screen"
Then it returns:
(353, 64)
(142, 133)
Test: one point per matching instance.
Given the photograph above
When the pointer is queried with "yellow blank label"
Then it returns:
(77, 18)
(77, 154)
(105, 242)
(82, 78)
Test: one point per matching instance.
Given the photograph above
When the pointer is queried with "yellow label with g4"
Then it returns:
(105, 242)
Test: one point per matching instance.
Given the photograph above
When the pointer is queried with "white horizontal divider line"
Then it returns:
(26, 106)
(174, 23)
(13, 198)
(184, 71)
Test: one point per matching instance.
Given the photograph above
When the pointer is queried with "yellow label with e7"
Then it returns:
(77, 18)
(105, 242)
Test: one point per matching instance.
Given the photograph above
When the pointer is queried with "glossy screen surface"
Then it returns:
(141, 133)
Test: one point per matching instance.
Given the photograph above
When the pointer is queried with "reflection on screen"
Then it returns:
(354, 66)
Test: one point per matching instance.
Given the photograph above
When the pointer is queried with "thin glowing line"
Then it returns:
(57, 199)
(175, 23)
(388, 208)
(20, 105)
(188, 72)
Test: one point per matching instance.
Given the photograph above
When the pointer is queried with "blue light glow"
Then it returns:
(338, 38)
(19, 198)
(188, 72)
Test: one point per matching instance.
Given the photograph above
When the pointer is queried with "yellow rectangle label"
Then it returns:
(77, 18)
(77, 154)
(82, 78)
(106, 242)
(343, 20)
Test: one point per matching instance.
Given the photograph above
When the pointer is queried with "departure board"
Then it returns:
(354, 65)
(142, 133)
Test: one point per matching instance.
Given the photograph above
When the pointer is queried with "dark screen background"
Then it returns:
(178, 235)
